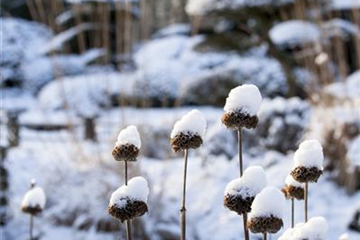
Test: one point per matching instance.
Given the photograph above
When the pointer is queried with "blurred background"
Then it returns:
(75, 72)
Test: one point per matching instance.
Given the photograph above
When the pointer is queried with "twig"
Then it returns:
(31, 226)
(183, 209)
(128, 222)
(306, 193)
(239, 132)
(292, 212)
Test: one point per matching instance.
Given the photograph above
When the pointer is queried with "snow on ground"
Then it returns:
(62, 156)
(344, 4)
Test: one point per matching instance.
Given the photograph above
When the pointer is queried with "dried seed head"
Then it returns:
(132, 209)
(269, 224)
(293, 192)
(184, 141)
(306, 174)
(32, 210)
(239, 119)
(125, 152)
(238, 204)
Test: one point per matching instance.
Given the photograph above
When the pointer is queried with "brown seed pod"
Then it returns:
(293, 192)
(265, 224)
(125, 152)
(32, 210)
(184, 141)
(238, 204)
(304, 174)
(132, 209)
(239, 119)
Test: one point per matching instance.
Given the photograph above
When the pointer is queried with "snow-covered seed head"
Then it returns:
(308, 162)
(34, 200)
(314, 229)
(188, 132)
(266, 211)
(293, 189)
(128, 144)
(241, 107)
(240, 193)
(129, 201)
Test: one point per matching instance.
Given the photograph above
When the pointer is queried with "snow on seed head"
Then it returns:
(137, 189)
(251, 183)
(270, 201)
(290, 181)
(129, 135)
(35, 197)
(314, 229)
(309, 154)
(192, 122)
(246, 97)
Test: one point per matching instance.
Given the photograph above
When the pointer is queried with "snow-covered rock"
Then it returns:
(270, 201)
(309, 154)
(137, 189)
(314, 229)
(129, 135)
(246, 97)
(294, 33)
(193, 122)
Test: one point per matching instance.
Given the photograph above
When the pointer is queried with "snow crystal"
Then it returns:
(290, 181)
(295, 32)
(193, 122)
(137, 189)
(251, 183)
(246, 97)
(314, 229)
(129, 135)
(270, 201)
(34, 197)
(309, 154)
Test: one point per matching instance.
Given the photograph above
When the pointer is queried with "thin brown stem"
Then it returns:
(183, 208)
(31, 226)
(292, 212)
(306, 195)
(265, 235)
(128, 222)
(239, 133)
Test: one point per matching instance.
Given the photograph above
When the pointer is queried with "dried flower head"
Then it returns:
(293, 188)
(34, 201)
(128, 145)
(130, 210)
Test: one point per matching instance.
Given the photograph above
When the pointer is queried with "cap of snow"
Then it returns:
(251, 183)
(309, 154)
(35, 197)
(294, 33)
(246, 97)
(137, 189)
(290, 181)
(129, 135)
(270, 201)
(193, 122)
(198, 7)
(344, 236)
(315, 229)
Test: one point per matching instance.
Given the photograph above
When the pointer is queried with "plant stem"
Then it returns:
(31, 226)
(239, 133)
(128, 222)
(265, 235)
(183, 209)
(306, 193)
(292, 212)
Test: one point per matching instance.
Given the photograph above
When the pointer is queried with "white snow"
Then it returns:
(270, 201)
(309, 154)
(354, 152)
(348, 89)
(246, 97)
(192, 122)
(344, 4)
(290, 181)
(137, 189)
(314, 229)
(129, 135)
(199, 7)
(344, 236)
(251, 183)
(35, 197)
(294, 32)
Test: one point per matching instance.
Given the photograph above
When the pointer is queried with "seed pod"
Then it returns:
(125, 152)
(269, 224)
(32, 210)
(239, 119)
(293, 192)
(130, 210)
(184, 141)
(306, 174)
(238, 204)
